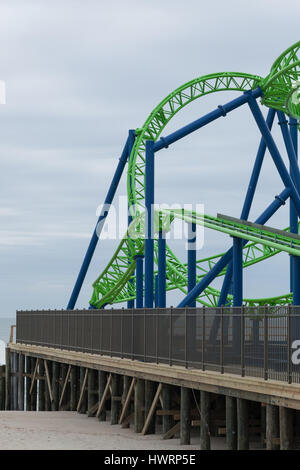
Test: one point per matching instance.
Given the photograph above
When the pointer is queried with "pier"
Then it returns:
(84, 361)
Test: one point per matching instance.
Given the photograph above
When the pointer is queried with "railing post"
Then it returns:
(243, 341)
(156, 334)
(203, 337)
(265, 342)
(111, 325)
(222, 341)
(101, 331)
(122, 355)
(68, 316)
(289, 345)
(132, 335)
(185, 338)
(170, 338)
(144, 335)
(161, 265)
(77, 322)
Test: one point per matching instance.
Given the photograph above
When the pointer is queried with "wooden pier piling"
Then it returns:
(55, 386)
(205, 421)
(33, 386)
(115, 399)
(231, 423)
(272, 427)
(2, 387)
(139, 405)
(15, 368)
(92, 392)
(102, 378)
(83, 393)
(7, 380)
(28, 372)
(150, 390)
(167, 419)
(64, 389)
(242, 424)
(263, 425)
(74, 396)
(41, 386)
(21, 368)
(126, 388)
(48, 388)
(286, 428)
(185, 416)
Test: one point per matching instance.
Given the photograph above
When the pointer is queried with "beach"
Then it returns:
(67, 430)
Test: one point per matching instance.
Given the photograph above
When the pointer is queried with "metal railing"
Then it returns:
(249, 341)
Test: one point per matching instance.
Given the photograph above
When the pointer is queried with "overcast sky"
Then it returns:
(78, 75)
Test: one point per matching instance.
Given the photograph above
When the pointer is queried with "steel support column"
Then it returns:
(149, 224)
(131, 140)
(294, 173)
(237, 263)
(295, 260)
(95, 237)
(279, 163)
(156, 291)
(161, 269)
(191, 261)
(139, 281)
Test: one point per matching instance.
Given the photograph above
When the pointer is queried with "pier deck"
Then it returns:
(251, 388)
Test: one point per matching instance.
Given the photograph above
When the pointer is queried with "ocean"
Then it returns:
(5, 324)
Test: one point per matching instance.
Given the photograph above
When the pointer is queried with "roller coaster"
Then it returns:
(130, 275)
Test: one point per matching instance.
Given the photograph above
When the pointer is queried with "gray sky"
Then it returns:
(78, 75)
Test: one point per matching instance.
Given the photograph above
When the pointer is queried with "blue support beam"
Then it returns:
(222, 110)
(279, 163)
(131, 140)
(220, 265)
(226, 285)
(139, 281)
(192, 259)
(296, 281)
(256, 169)
(294, 169)
(161, 278)
(191, 267)
(295, 260)
(96, 234)
(291, 151)
(156, 304)
(149, 224)
(237, 265)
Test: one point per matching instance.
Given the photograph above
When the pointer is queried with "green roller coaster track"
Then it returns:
(279, 88)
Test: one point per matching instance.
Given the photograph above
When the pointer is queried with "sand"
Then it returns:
(70, 431)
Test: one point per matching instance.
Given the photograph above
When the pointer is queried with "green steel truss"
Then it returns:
(113, 286)
(283, 79)
(163, 114)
